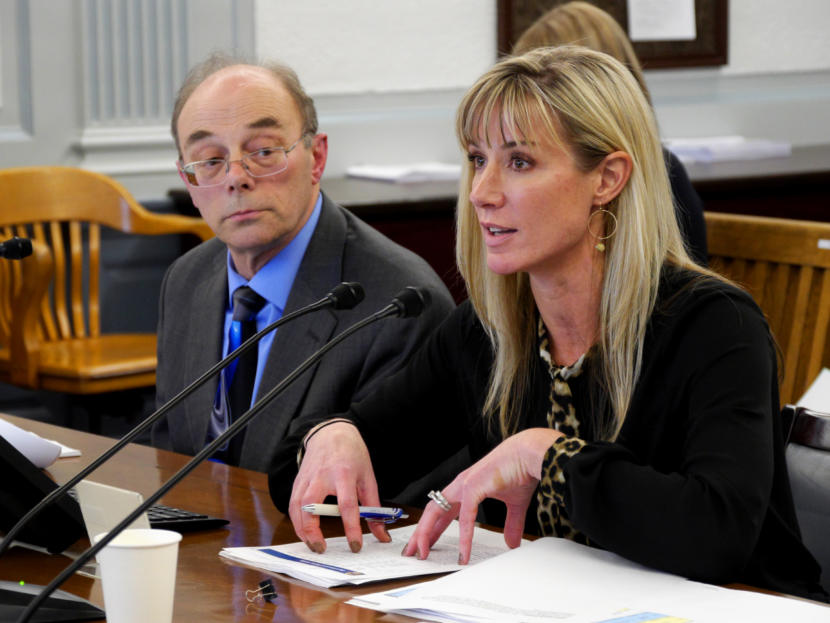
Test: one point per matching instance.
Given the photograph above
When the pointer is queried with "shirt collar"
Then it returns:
(274, 280)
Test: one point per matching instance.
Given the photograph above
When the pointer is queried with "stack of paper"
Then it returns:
(42, 452)
(407, 173)
(376, 561)
(723, 148)
(558, 580)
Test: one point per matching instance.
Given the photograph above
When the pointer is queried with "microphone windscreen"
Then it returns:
(346, 295)
(411, 301)
(17, 248)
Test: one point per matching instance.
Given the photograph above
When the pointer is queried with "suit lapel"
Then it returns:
(319, 272)
(205, 347)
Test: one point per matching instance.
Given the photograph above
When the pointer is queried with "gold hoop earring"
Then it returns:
(600, 245)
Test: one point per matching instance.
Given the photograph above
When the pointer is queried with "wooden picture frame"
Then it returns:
(710, 48)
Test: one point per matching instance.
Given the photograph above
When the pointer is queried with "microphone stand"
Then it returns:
(344, 296)
(409, 302)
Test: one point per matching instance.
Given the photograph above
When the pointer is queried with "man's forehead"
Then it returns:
(241, 97)
(242, 74)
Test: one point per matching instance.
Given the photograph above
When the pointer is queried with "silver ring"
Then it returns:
(440, 500)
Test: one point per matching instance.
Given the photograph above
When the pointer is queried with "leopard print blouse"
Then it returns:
(550, 513)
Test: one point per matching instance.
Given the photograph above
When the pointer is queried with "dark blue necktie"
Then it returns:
(240, 374)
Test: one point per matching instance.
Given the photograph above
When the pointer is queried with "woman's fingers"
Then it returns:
(351, 491)
(472, 496)
(367, 494)
(306, 525)
(508, 473)
(514, 524)
(432, 524)
(336, 462)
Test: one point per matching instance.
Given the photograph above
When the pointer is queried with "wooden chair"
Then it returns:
(785, 265)
(50, 330)
(808, 463)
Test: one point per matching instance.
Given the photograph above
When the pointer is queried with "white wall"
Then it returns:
(359, 46)
(354, 46)
(771, 36)
(387, 75)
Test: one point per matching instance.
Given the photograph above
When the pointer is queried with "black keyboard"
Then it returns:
(179, 520)
(176, 519)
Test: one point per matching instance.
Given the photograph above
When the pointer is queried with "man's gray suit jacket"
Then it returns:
(343, 248)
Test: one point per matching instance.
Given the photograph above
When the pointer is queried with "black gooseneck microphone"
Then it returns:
(16, 248)
(407, 303)
(344, 296)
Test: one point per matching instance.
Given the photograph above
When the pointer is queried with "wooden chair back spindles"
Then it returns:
(50, 316)
(785, 265)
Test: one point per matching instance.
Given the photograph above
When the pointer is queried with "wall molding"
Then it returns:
(99, 139)
(15, 71)
(135, 55)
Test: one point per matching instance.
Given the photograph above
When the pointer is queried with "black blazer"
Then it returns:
(696, 484)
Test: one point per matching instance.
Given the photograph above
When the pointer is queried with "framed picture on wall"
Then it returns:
(708, 48)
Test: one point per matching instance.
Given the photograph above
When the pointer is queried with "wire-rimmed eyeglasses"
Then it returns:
(260, 163)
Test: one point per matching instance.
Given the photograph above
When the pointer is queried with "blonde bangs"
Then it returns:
(518, 103)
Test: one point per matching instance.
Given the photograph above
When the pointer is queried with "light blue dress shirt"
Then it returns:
(272, 282)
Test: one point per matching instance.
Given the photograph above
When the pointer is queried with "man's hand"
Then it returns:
(336, 462)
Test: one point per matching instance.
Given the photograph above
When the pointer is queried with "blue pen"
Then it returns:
(386, 514)
(322, 565)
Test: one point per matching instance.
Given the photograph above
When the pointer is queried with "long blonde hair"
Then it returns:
(588, 103)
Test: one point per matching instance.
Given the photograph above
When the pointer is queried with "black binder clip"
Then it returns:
(265, 592)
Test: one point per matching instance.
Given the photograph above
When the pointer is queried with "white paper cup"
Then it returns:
(138, 569)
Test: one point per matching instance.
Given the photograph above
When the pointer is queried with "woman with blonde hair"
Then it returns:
(611, 391)
(581, 23)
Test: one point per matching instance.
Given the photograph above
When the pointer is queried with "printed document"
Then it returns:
(376, 561)
(558, 580)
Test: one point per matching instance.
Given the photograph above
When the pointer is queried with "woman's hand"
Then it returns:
(510, 473)
(336, 462)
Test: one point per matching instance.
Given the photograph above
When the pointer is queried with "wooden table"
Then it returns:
(207, 588)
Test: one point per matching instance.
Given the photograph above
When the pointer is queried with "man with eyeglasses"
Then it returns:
(251, 156)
